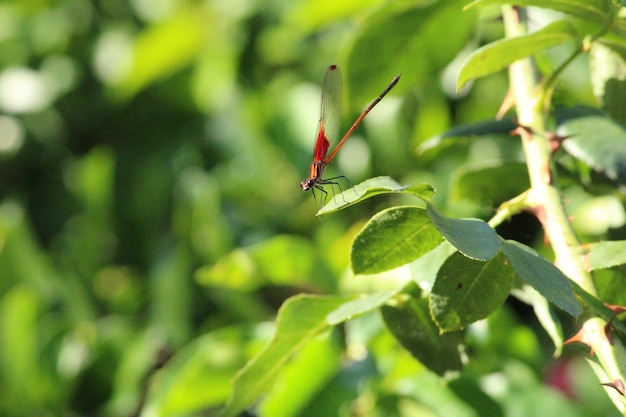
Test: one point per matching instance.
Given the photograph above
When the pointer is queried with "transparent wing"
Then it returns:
(330, 113)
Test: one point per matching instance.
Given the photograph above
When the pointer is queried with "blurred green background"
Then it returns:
(150, 209)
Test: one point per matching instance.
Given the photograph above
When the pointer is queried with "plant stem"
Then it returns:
(544, 194)
(545, 199)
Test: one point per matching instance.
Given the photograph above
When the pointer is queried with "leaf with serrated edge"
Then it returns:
(409, 321)
(472, 237)
(392, 238)
(371, 188)
(467, 290)
(607, 254)
(546, 278)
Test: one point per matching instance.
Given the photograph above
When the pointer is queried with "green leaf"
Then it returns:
(358, 307)
(482, 128)
(614, 42)
(319, 360)
(371, 188)
(607, 254)
(598, 307)
(199, 375)
(161, 50)
(392, 238)
(543, 312)
(595, 139)
(299, 320)
(408, 319)
(472, 237)
(546, 278)
(19, 357)
(498, 55)
(594, 10)
(467, 290)
(608, 78)
(402, 38)
(272, 260)
(477, 183)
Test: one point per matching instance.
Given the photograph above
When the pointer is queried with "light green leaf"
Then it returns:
(359, 306)
(161, 50)
(607, 254)
(594, 10)
(371, 188)
(199, 375)
(299, 320)
(498, 55)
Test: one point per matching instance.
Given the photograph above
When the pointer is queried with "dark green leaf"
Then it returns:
(478, 185)
(472, 237)
(607, 254)
(594, 10)
(596, 140)
(392, 238)
(599, 307)
(408, 319)
(299, 319)
(546, 278)
(467, 290)
(498, 55)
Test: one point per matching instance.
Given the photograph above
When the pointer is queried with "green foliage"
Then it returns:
(157, 257)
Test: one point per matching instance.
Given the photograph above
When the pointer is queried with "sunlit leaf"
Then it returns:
(595, 139)
(472, 237)
(467, 290)
(19, 348)
(607, 254)
(359, 306)
(596, 10)
(161, 50)
(199, 375)
(319, 360)
(408, 319)
(547, 279)
(371, 188)
(272, 261)
(498, 55)
(300, 318)
(392, 238)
